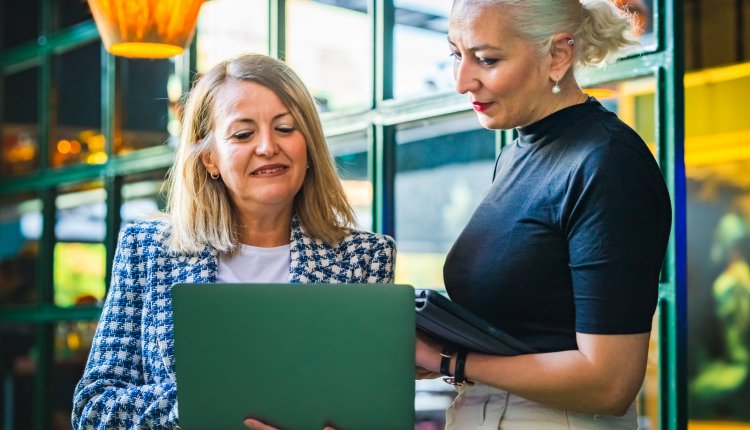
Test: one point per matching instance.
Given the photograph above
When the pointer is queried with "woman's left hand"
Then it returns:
(254, 424)
(428, 355)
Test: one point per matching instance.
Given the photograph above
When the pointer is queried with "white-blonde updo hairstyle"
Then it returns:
(602, 32)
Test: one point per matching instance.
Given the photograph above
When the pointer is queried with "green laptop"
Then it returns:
(296, 356)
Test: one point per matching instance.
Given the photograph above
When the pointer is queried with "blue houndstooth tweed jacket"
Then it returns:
(129, 380)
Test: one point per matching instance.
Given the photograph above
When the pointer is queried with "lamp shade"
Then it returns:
(146, 28)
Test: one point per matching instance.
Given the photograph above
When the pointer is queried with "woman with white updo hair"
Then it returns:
(565, 250)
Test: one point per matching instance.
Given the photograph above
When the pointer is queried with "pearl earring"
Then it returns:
(556, 88)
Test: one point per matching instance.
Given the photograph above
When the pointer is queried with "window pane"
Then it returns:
(422, 64)
(19, 22)
(456, 158)
(645, 16)
(350, 154)
(20, 229)
(17, 364)
(71, 12)
(148, 92)
(142, 196)
(717, 166)
(79, 256)
(19, 122)
(72, 343)
(330, 47)
(227, 28)
(76, 107)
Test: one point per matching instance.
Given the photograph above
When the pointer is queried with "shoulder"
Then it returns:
(144, 233)
(365, 240)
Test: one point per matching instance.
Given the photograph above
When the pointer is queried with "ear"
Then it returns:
(562, 54)
(208, 162)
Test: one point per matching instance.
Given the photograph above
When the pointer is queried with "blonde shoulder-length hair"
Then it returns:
(199, 209)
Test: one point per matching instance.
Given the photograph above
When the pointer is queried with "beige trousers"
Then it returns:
(481, 407)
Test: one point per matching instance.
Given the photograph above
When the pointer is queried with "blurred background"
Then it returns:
(87, 138)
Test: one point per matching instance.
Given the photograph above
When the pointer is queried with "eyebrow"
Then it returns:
(478, 47)
(252, 121)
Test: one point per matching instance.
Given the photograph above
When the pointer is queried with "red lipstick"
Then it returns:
(481, 107)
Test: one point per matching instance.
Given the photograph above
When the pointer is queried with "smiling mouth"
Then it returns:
(270, 170)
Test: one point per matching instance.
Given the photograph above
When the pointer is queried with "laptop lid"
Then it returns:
(294, 356)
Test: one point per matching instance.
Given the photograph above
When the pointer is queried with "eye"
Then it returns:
(486, 61)
(242, 135)
(455, 55)
(285, 129)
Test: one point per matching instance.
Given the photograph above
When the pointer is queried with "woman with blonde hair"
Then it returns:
(253, 197)
(565, 250)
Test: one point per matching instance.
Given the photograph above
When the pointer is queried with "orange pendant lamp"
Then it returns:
(146, 28)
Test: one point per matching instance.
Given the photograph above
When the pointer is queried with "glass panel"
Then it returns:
(17, 367)
(330, 47)
(649, 398)
(19, 22)
(20, 229)
(72, 342)
(227, 28)
(76, 107)
(147, 96)
(70, 12)
(422, 63)
(634, 103)
(79, 256)
(456, 157)
(19, 122)
(142, 196)
(350, 153)
(717, 166)
(645, 16)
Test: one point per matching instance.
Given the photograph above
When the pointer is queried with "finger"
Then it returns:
(254, 424)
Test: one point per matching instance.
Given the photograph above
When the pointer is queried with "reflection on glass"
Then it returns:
(19, 122)
(648, 399)
(147, 97)
(422, 62)
(645, 15)
(20, 229)
(350, 153)
(330, 48)
(456, 158)
(71, 13)
(717, 166)
(76, 110)
(142, 196)
(19, 23)
(634, 103)
(79, 255)
(72, 342)
(17, 367)
(227, 28)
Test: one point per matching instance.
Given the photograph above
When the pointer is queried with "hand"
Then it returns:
(422, 373)
(254, 424)
(428, 354)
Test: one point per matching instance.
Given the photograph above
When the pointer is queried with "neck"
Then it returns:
(265, 229)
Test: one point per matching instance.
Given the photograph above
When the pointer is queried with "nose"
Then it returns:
(267, 145)
(463, 73)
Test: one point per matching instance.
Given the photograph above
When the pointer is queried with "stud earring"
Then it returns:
(556, 88)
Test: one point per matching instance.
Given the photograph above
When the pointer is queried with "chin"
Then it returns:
(492, 123)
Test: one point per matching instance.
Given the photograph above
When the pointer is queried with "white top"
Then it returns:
(254, 264)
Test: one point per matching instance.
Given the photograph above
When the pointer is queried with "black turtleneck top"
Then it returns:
(571, 235)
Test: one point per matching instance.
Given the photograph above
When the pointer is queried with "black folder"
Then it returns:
(449, 322)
